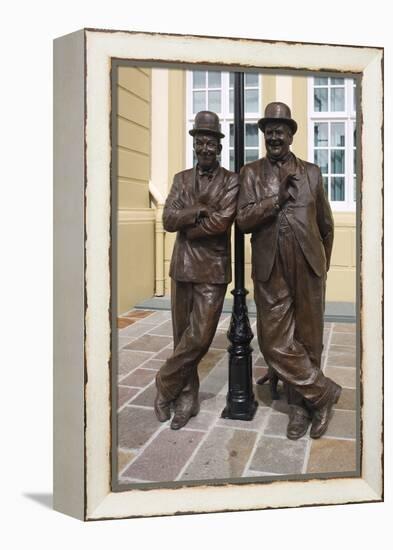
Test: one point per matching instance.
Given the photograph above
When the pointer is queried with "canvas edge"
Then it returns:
(101, 501)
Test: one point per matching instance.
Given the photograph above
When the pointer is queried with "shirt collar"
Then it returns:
(212, 172)
(288, 158)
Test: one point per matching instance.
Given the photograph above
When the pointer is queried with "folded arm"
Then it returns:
(218, 221)
(176, 216)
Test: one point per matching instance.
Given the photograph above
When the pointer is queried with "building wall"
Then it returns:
(341, 283)
(176, 147)
(135, 275)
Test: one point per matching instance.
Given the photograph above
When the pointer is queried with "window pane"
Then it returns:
(321, 81)
(354, 188)
(321, 158)
(354, 134)
(252, 135)
(199, 79)
(320, 99)
(251, 79)
(231, 135)
(251, 101)
(214, 102)
(337, 81)
(251, 155)
(321, 134)
(326, 185)
(231, 160)
(214, 79)
(337, 136)
(338, 189)
(337, 160)
(337, 99)
(198, 101)
(354, 98)
(231, 92)
(231, 80)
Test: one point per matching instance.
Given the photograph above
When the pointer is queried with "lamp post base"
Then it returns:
(241, 403)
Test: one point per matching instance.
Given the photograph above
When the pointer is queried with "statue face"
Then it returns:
(207, 147)
(278, 138)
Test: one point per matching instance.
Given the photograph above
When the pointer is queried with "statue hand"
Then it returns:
(205, 210)
(287, 180)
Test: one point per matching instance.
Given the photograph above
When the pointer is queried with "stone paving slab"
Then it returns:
(124, 458)
(342, 424)
(341, 356)
(279, 455)
(343, 338)
(135, 330)
(212, 403)
(345, 327)
(212, 359)
(123, 341)
(139, 377)
(202, 421)
(345, 377)
(163, 329)
(220, 340)
(277, 424)
(128, 360)
(166, 455)
(125, 394)
(223, 454)
(332, 455)
(146, 397)
(157, 317)
(135, 427)
(123, 323)
(347, 399)
(256, 423)
(149, 342)
(165, 353)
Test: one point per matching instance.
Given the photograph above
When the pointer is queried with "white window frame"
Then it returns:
(348, 117)
(226, 118)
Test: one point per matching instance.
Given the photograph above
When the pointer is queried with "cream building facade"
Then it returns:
(155, 110)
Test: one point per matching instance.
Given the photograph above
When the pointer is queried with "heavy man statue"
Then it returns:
(200, 207)
(283, 204)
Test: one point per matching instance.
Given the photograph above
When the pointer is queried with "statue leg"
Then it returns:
(179, 375)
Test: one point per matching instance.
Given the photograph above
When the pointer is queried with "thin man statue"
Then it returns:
(200, 207)
(283, 204)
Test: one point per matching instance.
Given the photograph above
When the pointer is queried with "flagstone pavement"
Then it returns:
(210, 447)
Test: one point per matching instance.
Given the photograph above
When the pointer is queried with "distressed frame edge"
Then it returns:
(375, 492)
(69, 489)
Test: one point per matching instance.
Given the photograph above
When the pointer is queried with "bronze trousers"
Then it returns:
(196, 310)
(290, 314)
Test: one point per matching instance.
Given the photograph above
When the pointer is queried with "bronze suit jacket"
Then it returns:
(307, 212)
(202, 251)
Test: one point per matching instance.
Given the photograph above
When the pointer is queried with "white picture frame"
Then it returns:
(82, 379)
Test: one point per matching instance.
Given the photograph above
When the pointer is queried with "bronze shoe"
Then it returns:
(299, 420)
(161, 405)
(183, 413)
(322, 416)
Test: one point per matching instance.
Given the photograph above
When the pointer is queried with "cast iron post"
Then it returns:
(241, 403)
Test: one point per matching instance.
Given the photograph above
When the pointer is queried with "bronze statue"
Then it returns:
(283, 204)
(200, 207)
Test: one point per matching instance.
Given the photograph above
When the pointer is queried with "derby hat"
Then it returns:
(207, 122)
(277, 112)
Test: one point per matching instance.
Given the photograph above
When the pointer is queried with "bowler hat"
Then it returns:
(277, 112)
(207, 122)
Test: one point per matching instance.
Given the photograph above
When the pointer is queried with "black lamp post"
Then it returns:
(241, 403)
